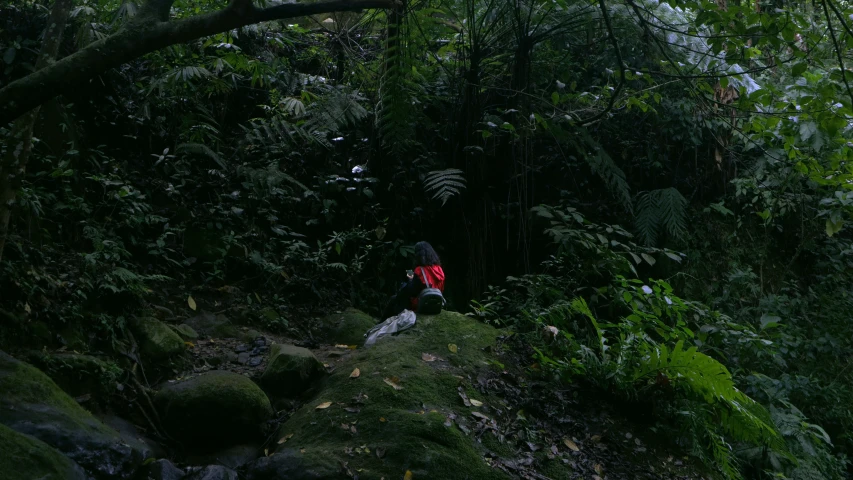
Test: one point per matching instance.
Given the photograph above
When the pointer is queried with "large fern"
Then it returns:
(663, 210)
(444, 184)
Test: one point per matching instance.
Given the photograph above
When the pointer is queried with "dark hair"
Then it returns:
(425, 255)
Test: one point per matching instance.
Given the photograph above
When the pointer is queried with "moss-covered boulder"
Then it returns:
(290, 370)
(400, 413)
(347, 327)
(185, 331)
(26, 458)
(213, 410)
(157, 342)
(32, 404)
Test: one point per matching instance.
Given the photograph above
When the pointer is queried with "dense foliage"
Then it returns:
(654, 196)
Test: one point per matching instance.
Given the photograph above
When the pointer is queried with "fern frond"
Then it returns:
(661, 210)
(741, 417)
(444, 184)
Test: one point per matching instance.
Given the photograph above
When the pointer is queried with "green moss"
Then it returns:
(290, 370)
(411, 424)
(157, 341)
(21, 383)
(348, 327)
(214, 409)
(25, 458)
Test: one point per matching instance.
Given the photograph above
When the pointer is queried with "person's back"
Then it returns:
(427, 274)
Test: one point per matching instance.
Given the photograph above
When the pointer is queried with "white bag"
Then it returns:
(395, 324)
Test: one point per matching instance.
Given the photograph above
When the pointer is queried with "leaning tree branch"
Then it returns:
(150, 32)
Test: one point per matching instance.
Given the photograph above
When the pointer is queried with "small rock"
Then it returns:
(185, 331)
(243, 358)
(241, 348)
(264, 349)
(260, 342)
(255, 361)
(157, 342)
(255, 352)
(291, 370)
(164, 470)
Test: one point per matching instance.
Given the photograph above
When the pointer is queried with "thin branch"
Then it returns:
(837, 51)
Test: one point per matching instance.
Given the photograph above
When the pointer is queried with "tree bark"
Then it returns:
(20, 142)
(150, 31)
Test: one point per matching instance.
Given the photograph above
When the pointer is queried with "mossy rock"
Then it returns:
(26, 458)
(213, 410)
(78, 374)
(185, 331)
(412, 425)
(348, 327)
(291, 370)
(157, 342)
(32, 404)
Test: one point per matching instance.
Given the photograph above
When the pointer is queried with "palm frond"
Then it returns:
(444, 184)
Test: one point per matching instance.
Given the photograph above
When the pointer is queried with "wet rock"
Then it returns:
(213, 410)
(26, 458)
(157, 342)
(290, 370)
(347, 327)
(32, 404)
(291, 464)
(163, 470)
(213, 472)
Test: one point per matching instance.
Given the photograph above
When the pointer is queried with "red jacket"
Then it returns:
(434, 279)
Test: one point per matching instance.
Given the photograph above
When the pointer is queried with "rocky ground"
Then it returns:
(447, 399)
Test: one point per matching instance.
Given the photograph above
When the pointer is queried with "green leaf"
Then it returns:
(833, 227)
(648, 258)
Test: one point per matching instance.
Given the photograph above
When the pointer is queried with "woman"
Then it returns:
(427, 271)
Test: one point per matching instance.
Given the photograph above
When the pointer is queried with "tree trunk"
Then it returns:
(20, 142)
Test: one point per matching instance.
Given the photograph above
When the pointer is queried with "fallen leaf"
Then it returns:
(266, 452)
(352, 409)
(393, 382)
(341, 346)
(465, 400)
(476, 403)
(428, 358)
(353, 429)
(453, 348)
(382, 419)
(189, 344)
(191, 302)
(572, 445)
(479, 415)
(284, 438)
(598, 468)
(380, 452)
(355, 373)
(595, 438)
(301, 450)
(323, 405)
(352, 347)
(408, 475)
